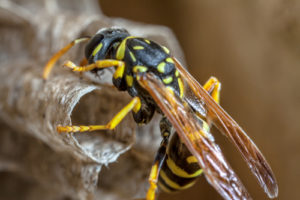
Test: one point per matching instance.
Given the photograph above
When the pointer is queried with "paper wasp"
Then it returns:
(158, 82)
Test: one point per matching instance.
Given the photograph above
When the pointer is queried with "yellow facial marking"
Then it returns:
(147, 41)
(166, 49)
(139, 68)
(161, 67)
(121, 49)
(168, 80)
(97, 49)
(138, 47)
(132, 56)
(170, 60)
(172, 184)
(129, 80)
(192, 159)
(176, 73)
(181, 87)
(180, 172)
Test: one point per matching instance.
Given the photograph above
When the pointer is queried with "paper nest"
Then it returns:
(35, 160)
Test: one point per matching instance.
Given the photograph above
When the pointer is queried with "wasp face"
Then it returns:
(102, 43)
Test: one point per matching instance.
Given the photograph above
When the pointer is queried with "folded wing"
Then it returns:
(216, 169)
(251, 154)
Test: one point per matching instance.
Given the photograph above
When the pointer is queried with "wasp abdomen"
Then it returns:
(180, 168)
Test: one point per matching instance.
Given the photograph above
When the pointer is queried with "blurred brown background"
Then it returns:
(253, 48)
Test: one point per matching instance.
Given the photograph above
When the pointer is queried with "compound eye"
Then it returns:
(93, 43)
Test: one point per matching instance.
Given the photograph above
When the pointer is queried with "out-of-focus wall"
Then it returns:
(253, 47)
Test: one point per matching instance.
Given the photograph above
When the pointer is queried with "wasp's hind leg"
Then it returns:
(213, 87)
(165, 128)
(134, 105)
(59, 54)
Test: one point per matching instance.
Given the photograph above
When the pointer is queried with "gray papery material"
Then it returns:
(32, 153)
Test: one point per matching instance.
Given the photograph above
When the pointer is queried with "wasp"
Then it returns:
(157, 82)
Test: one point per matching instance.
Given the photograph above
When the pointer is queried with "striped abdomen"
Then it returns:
(180, 168)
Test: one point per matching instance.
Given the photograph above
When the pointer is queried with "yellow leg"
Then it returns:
(165, 129)
(60, 53)
(100, 64)
(134, 104)
(213, 87)
(153, 181)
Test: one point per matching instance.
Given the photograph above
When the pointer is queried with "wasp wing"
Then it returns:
(251, 154)
(200, 143)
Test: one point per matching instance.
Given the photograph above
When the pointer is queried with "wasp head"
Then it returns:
(103, 42)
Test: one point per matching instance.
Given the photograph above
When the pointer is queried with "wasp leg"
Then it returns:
(83, 62)
(60, 53)
(165, 128)
(213, 87)
(134, 105)
(100, 64)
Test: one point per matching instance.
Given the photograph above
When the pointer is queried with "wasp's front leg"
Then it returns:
(100, 64)
(59, 54)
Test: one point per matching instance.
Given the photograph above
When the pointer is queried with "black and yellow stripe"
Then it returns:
(180, 169)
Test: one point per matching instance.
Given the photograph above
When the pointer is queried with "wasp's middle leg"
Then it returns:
(134, 105)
